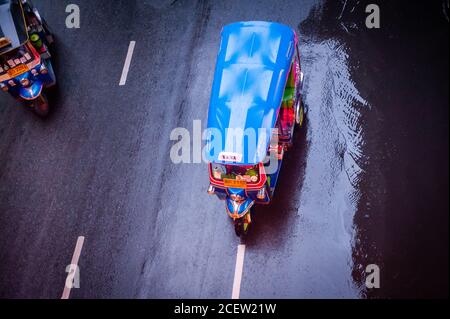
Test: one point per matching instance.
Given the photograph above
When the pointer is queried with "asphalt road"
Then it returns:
(366, 182)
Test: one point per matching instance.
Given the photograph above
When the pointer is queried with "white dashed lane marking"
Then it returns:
(238, 272)
(73, 270)
(126, 67)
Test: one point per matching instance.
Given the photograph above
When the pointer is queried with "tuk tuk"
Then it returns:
(256, 102)
(25, 59)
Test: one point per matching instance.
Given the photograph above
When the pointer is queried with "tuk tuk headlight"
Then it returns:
(4, 87)
(25, 82)
(237, 198)
(43, 70)
(34, 72)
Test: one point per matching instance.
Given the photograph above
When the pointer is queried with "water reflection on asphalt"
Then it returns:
(330, 192)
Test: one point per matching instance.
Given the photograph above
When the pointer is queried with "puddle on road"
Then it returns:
(330, 193)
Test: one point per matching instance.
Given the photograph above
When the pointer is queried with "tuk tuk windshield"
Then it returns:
(12, 25)
(247, 173)
(13, 58)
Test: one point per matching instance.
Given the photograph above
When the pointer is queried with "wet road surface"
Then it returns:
(366, 182)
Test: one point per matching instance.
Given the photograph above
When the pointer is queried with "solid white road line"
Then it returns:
(238, 272)
(126, 67)
(73, 263)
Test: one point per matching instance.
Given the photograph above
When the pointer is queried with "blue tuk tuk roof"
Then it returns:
(252, 67)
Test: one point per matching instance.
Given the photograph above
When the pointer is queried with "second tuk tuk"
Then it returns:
(256, 102)
(25, 59)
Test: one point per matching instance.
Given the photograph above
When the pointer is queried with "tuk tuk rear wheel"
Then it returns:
(299, 113)
(241, 226)
(41, 106)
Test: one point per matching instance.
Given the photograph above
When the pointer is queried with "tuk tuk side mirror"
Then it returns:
(4, 87)
(4, 42)
(261, 193)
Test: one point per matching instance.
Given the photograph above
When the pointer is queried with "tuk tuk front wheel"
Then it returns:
(41, 106)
